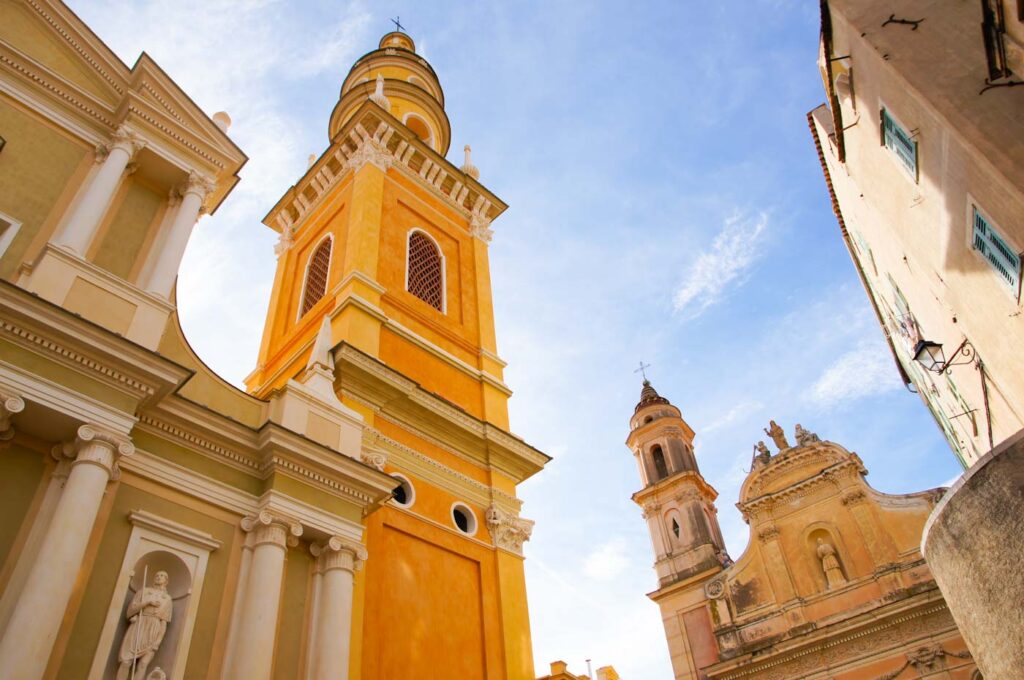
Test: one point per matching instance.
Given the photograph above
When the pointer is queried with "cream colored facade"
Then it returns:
(908, 200)
(831, 586)
(159, 523)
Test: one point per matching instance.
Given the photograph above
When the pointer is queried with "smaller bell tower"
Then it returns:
(678, 504)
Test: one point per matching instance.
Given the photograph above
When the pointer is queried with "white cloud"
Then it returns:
(865, 371)
(734, 250)
(737, 412)
(607, 561)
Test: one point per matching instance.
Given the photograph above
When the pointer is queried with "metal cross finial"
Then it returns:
(643, 370)
(398, 24)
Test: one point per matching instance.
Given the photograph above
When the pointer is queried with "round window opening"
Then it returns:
(648, 419)
(403, 494)
(464, 519)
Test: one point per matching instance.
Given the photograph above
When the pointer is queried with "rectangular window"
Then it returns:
(8, 230)
(990, 245)
(993, 28)
(898, 140)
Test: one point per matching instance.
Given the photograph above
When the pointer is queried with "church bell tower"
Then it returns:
(678, 504)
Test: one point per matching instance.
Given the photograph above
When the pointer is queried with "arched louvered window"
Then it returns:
(658, 456)
(316, 276)
(426, 270)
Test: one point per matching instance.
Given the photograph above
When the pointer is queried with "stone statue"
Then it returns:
(762, 456)
(149, 613)
(833, 573)
(803, 437)
(777, 435)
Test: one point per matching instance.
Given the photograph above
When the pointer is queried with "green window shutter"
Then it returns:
(993, 248)
(899, 141)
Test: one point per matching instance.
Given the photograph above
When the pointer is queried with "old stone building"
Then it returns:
(831, 586)
(921, 140)
(355, 513)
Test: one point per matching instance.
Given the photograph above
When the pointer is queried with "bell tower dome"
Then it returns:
(403, 84)
(678, 504)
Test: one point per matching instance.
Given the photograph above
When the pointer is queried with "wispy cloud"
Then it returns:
(862, 372)
(736, 413)
(607, 561)
(726, 263)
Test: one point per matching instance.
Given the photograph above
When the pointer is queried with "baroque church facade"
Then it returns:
(353, 514)
(832, 584)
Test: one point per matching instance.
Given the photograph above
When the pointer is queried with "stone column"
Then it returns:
(255, 638)
(82, 223)
(170, 243)
(973, 543)
(36, 619)
(338, 560)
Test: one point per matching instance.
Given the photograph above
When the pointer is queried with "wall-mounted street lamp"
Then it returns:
(930, 355)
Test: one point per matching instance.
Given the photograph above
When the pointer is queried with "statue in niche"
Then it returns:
(803, 437)
(149, 612)
(777, 435)
(830, 563)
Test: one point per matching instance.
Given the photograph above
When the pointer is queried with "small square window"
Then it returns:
(899, 141)
(988, 243)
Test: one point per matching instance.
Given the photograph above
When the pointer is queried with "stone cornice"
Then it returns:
(666, 489)
(844, 469)
(882, 628)
(391, 393)
(440, 474)
(65, 338)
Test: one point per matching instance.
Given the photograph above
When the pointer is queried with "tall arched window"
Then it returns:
(316, 276)
(658, 456)
(426, 270)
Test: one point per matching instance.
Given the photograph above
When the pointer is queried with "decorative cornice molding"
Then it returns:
(82, 52)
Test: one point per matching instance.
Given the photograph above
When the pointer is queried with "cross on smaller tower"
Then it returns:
(643, 370)
(398, 24)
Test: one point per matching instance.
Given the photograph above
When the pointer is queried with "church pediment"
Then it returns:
(53, 40)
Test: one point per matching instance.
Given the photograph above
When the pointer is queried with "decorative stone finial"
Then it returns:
(378, 97)
(222, 120)
(468, 166)
(310, 160)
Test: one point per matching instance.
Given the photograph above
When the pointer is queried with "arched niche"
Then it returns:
(829, 536)
(156, 545)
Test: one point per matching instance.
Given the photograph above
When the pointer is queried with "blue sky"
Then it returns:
(666, 205)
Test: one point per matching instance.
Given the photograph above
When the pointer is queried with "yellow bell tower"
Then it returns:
(383, 262)
(390, 240)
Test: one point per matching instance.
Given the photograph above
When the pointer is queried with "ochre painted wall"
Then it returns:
(36, 166)
(21, 472)
(124, 232)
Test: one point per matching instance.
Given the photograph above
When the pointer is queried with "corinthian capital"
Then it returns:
(126, 139)
(198, 184)
(9, 405)
(508, 530)
(339, 553)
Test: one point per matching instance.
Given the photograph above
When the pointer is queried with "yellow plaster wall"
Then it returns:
(133, 494)
(21, 471)
(125, 230)
(36, 166)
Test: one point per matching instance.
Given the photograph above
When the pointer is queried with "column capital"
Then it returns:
(126, 139)
(10, 404)
(339, 553)
(94, 445)
(508, 530)
(197, 184)
(266, 527)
